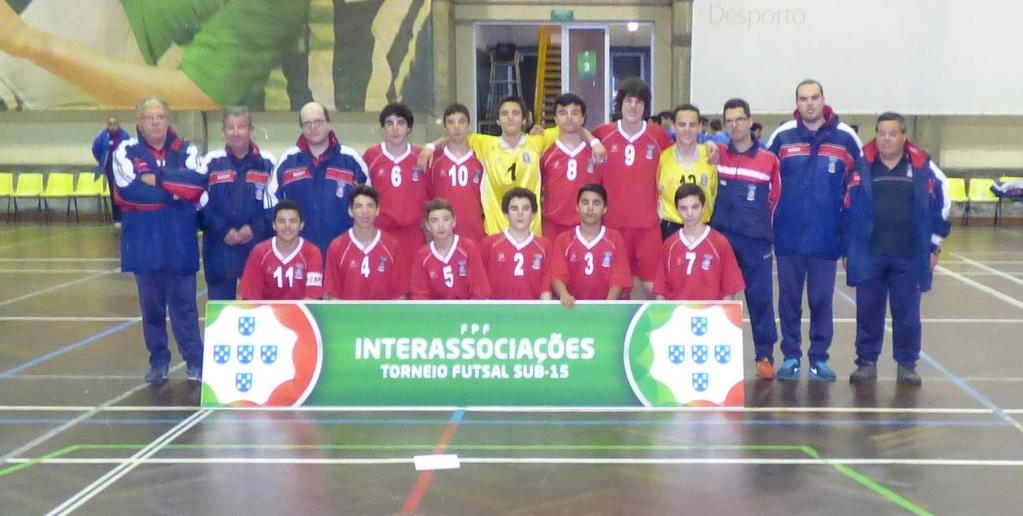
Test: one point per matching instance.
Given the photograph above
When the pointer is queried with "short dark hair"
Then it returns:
(596, 188)
(685, 107)
(715, 125)
(288, 204)
(365, 190)
(634, 87)
(437, 204)
(455, 108)
(806, 82)
(891, 116)
(755, 126)
(666, 114)
(518, 193)
(516, 99)
(686, 189)
(736, 103)
(401, 110)
(567, 99)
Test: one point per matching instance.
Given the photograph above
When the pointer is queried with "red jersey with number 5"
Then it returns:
(703, 270)
(457, 275)
(457, 179)
(269, 275)
(590, 268)
(630, 173)
(517, 270)
(401, 184)
(375, 271)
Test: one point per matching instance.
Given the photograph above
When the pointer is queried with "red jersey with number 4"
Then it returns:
(630, 173)
(517, 270)
(590, 268)
(269, 275)
(457, 180)
(401, 184)
(562, 172)
(457, 275)
(375, 271)
(704, 270)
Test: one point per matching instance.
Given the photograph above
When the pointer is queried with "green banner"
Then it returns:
(472, 354)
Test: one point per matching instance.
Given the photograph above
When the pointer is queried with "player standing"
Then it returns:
(456, 174)
(565, 167)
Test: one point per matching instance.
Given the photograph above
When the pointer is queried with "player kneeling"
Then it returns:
(590, 260)
(698, 263)
(516, 260)
(449, 267)
(284, 267)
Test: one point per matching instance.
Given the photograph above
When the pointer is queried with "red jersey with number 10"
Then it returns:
(457, 275)
(375, 271)
(401, 184)
(517, 270)
(630, 173)
(703, 270)
(590, 268)
(457, 180)
(269, 275)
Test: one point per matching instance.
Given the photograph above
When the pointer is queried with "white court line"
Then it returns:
(991, 269)
(537, 460)
(126, 467)
(49, 271)
(982, 287)
(48, 260)
(84, 377)
(58, 287)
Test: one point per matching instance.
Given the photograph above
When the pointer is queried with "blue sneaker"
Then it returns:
(821, 372)
(789, 370)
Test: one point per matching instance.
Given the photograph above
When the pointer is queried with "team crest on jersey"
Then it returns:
(415, 173)
(382, 264)
(260, 188)
(909, 171)
(572, 258)
(606, 261)
(831, 165)
(500, 258)
(589, 167)
(463, 269)
(537, 261)
(614, 148)
(476, 178)
(650, 151)
(706, 262)
(299, 271)
(525, 158)
(751, 192)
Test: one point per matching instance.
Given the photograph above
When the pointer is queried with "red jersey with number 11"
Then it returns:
(269, 275)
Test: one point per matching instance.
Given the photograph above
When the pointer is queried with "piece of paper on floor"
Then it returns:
(427, 462)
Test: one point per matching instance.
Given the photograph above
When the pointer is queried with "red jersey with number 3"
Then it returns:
(562, 172)
(269, 275)
(401, 184)
(457, 275)
(517, 270)
(375, 271)
(630, 173)
(457, 180)
(703, 270)
(590, 268)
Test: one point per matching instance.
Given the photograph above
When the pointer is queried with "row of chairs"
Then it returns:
(977, 191)
(58, 185)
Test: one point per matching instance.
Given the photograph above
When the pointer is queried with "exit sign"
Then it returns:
(562, 15)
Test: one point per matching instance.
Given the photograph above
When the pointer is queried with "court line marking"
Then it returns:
(126, 467)
(49, 234)
(68, 348)
(981, 287)
(60, 286)
(415, 495)
(991, 270)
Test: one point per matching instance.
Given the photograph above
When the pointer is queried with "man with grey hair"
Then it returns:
(157, 184)
(232, 215)
(898, 208)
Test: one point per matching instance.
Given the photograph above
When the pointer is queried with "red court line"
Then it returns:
(423, 483)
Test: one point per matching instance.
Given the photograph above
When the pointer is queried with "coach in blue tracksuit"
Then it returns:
(103, 148)
(818, 156)
(897, 220)
(232, 216)
(157, 185)
(318, 173)
(749, 186)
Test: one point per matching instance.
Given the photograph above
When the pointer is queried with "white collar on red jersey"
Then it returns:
(367, 248)
(451, 252)
(455, 159)
(582, 240)
(696, 243)
(520, 245)
(571, 152)
(396, 159)
(633, 138)
(286, 259)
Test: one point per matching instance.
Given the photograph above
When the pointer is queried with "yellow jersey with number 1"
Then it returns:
(506, 167)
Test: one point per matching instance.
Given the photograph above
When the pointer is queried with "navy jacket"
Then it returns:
(749, 186)
(103, 146)
(234, 197)
(931, 207)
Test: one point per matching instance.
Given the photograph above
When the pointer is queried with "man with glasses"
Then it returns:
(749, 185)
(318, 173)
(157, 184)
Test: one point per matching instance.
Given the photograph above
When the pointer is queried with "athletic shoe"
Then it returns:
(821, 372)
(194, 373)
(789, 370)
(156, 374)
(865, 372)
(908, 375)
(765, 371)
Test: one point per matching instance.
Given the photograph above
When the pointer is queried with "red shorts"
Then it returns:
(551, 230)
(410, 240)
(643, 246)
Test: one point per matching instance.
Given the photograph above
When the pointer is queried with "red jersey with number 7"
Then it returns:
(269, 275)
(702, 270)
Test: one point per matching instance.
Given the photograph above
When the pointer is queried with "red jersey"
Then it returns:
(401, 184)
(590, 268)
(457, 275)
(271, 276)
(517, 270)
(373, 271)
(704, 270)
(457, 180)
(630, 173)
(562, 172)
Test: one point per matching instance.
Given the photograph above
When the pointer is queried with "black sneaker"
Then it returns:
(865, 372)
(194, 373)
(156, 374)
(908, 375)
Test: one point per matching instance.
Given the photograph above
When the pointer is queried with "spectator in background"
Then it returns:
(103, 148)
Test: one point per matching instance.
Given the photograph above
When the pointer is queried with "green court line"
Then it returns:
(851, 473)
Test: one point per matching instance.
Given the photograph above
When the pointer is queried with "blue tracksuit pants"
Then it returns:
(818, 276)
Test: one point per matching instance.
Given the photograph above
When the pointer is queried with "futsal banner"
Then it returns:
(473, 354)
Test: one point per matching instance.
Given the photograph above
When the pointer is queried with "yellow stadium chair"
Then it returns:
(105, 196)
(6, 189)
(89, 187)
(980, 193)
(998, 209)
(59, 185)
(30, 184)
(957, 193)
